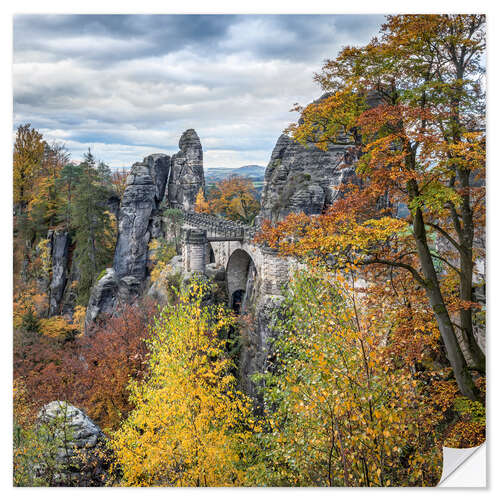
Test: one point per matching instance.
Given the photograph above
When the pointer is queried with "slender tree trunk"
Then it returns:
(453, 350)
(466, 236)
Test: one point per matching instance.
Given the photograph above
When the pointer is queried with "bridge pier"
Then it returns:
(275, 270)
(194, 250)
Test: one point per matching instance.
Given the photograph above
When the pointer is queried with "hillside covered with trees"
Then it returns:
(369, 359)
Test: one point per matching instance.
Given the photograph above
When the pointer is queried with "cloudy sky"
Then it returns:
(128, 86)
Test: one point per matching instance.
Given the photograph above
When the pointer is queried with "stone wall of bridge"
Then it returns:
(226, 239)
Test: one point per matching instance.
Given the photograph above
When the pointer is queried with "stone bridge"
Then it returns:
(250, 268)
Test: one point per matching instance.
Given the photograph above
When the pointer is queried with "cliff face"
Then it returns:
(145, 185)
(158, 179)
(303, 179)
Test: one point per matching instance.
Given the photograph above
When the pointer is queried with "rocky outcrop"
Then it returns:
(103, 297)
(137, 224)
(158, 181)
(79, 445)
(186, 177)
(133, 224)
(59, 245)
(256, 342)
(303, 179)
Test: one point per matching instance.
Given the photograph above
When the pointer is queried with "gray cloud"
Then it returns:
(129, 85)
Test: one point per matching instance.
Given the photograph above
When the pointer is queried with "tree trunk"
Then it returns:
(453, 350)
(466, 237)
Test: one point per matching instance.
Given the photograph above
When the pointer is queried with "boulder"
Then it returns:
(79, 445)
(215, 272)
(102, 297)
(173, 273)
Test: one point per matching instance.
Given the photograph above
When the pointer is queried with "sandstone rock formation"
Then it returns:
(159, 180)
(59, 246)
(303, 179)
(103, 297)
(79, 444)
(187, 175)
(144, 184)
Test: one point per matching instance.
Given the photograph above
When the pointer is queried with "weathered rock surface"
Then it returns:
(158, 178)
(136, 222)
(59, 244)
(102, 298)
(303, 179)
(186, 177)
(133, 225)
(70, 292)
(256, 350)
(159, 169)
(78, 440)
(215, 272)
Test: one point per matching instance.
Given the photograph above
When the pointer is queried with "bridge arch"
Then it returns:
(241, 274)
(210, 253)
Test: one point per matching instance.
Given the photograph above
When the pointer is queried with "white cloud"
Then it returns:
(129, 95)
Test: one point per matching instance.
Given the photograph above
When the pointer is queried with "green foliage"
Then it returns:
(67, 183)
(174, 219)
(473, 410)
(335, 414)
(30, 322)
(37, 453)
(93, 225)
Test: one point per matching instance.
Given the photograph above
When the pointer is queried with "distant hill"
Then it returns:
(254, 172)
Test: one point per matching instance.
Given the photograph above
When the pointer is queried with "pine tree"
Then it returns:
(67, 183)
(92, 224)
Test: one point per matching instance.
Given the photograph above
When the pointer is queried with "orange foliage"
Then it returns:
(234, 198)
(91, 372)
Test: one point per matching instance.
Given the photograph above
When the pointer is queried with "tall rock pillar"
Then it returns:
(186, 177)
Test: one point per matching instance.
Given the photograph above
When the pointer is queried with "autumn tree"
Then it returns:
(92, 371)
(119, 181)
(188, 421)
(28, 155)
(338, 410)
(412, 105)
(201, 205)
(47, 199)
(115, 353)
(67, 183)
(235, 199)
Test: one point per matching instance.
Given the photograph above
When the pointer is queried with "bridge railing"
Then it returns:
(221, 226)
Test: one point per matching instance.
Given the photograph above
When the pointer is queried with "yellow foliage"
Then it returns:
(56, 327)
(157, 270)
(44, 255)
(341, 413)
(201, 205)
(187, 425)
(79, 318)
